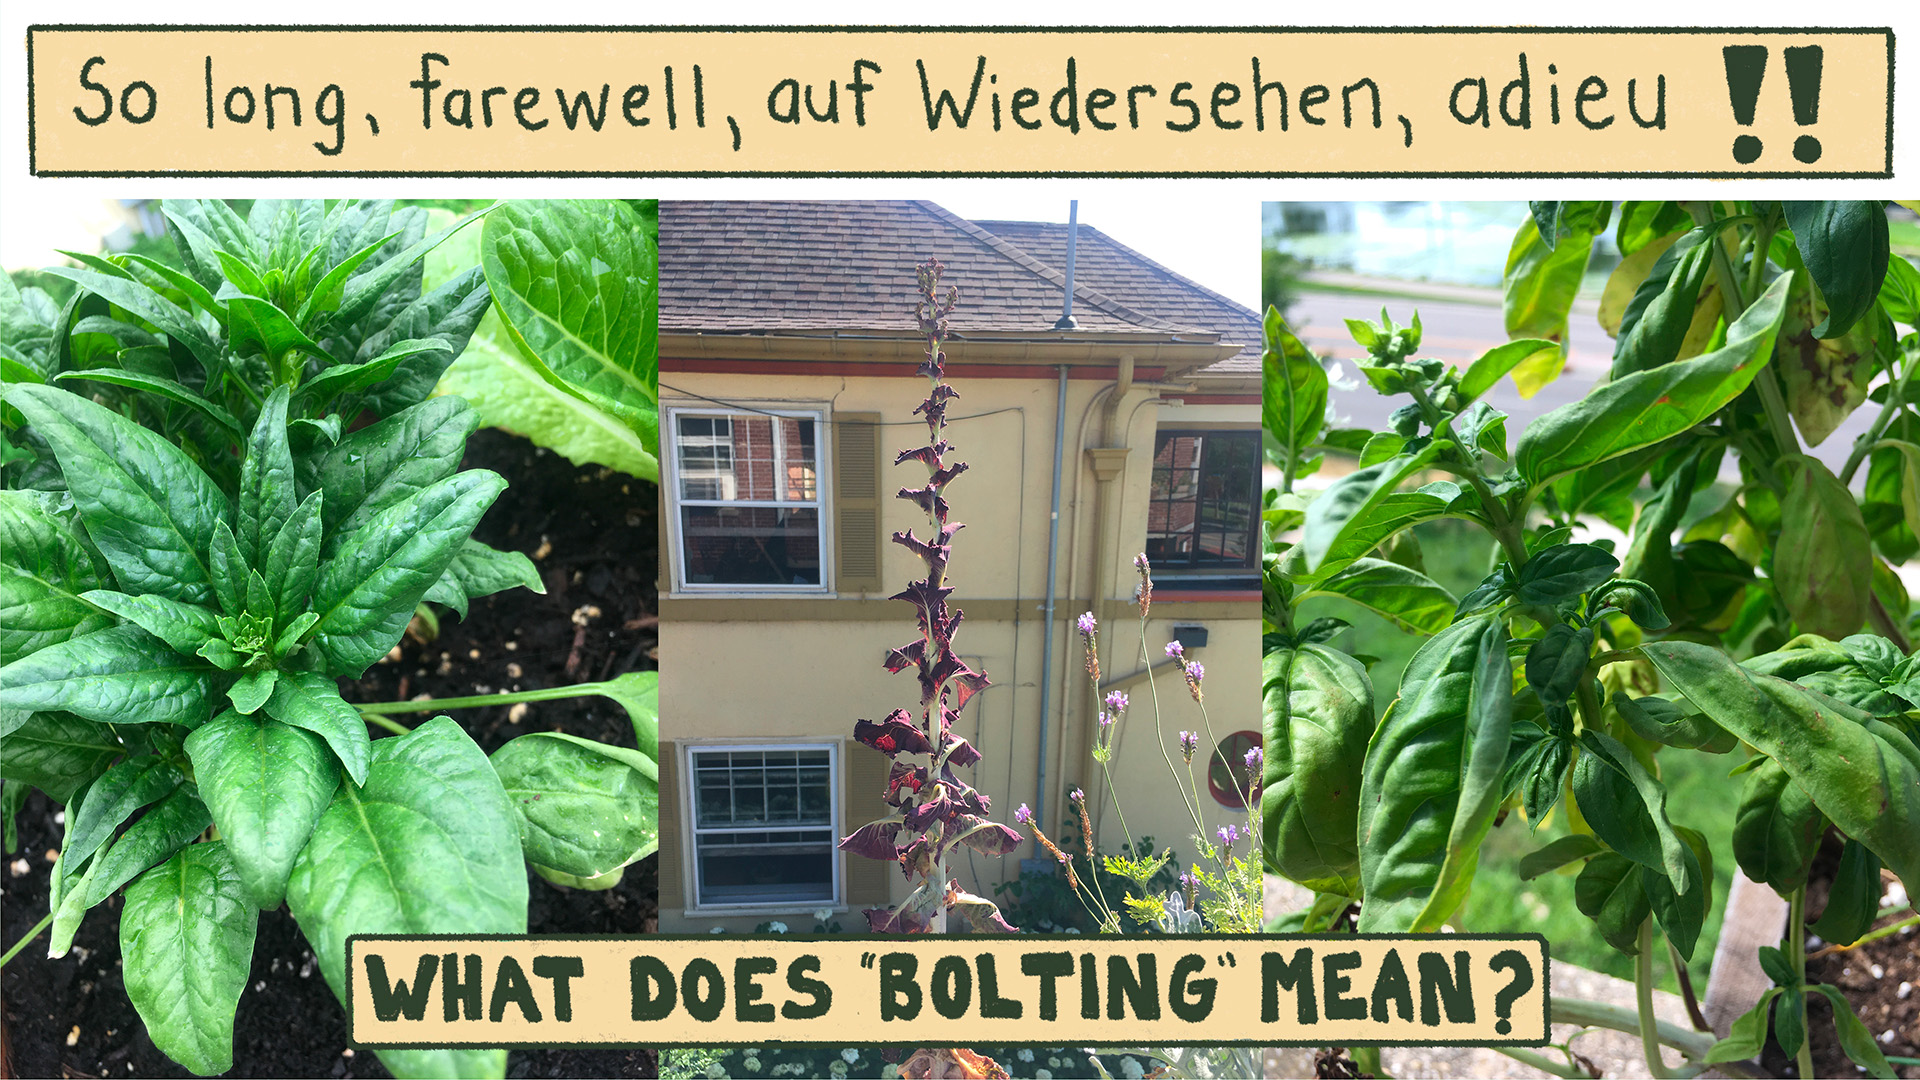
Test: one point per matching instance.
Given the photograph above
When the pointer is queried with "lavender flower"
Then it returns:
(1024, 815)
(1117, 702)
(1088, 624)
(1143, 592)
(1189, 742)
(1254, 758)
(1228, 834)
(1140, 562)
(1194, 673)
(1175, 650)
(1107, 719)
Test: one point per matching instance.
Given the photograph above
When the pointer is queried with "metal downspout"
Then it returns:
(1053, 567)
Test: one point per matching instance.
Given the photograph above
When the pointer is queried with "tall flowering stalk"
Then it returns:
(932, 808)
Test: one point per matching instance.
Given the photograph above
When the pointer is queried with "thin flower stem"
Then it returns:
(1883, 932)
(28, 936)
(552, 693)
(1160, 733)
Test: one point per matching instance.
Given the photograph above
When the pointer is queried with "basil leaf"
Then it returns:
(583, 811)
(1406, 598)
(122, 675)
(1539, 284)
(1861, 773)
(433, 794)
(145, 504)
(1855, 1039)
(1776, 829)
(1485, 373)
(1563, 572)
(1295, 407)
(1748, 1035)
(1845, 246)
(160, 386)
(1823, 564)
(292, 562)
(1665, 722)
(366, 594)
(265, 785)
(1627, 807)
(1318, 717)
(1609, 892)
(1681, 914)
(1825, 380)
(1649, 407)
(1565, 850)
(1558, 661)
(1431, 781)
(186, 936)
(1349, 502)
(1854, 900)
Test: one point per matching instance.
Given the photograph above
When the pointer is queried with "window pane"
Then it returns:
(770, 838)
(747, 457)
(729, 545)
(775, 866)
(1203, 496)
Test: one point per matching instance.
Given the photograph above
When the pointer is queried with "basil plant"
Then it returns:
(228, 487)
(1759, 618)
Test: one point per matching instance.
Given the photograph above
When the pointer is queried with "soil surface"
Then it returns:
(592, 534)
(1880, 978)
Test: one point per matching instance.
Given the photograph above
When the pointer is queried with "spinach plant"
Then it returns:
(193, 557)
(1759, 615)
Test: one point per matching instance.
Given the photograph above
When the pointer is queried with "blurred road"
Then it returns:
(1460, 323)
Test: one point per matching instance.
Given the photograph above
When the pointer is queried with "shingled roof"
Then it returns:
(758, 267)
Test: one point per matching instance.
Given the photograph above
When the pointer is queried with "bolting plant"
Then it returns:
(933, 808)
(1760, 619)
(195, 557)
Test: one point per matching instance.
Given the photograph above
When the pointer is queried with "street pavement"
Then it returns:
(1458, 324)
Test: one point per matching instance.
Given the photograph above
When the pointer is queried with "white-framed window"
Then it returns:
(764, 824)
(749, 499)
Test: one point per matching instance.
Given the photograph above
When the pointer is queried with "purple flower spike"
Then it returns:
(1254, 759)
(1189, 742)
(1107, 719)
(1077, 795)
(1024, 815)
(1088, 624)
(1227, 834)
(1175, 650)
(1194, 673)
(1140, 562)
(1117, 701)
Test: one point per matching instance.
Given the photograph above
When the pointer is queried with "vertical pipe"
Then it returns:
(1067, 321)
(1053, 567)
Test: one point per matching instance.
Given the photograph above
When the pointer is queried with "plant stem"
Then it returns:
(1796, 949)
(1643, 998)
(552, 693)
(1544, 1063)
(1599, 1014)
(1883, 932)
(1863, 446)
(1733, 302)
(28, 936)
(377, 720)
(1685, 979)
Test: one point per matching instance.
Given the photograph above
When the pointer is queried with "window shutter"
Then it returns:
(672, 877)
(869, 881)
(856, 503)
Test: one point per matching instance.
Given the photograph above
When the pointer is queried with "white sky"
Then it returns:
(1214, 242)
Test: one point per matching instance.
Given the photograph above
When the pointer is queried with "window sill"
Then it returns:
(748, 910)
(1191, 596)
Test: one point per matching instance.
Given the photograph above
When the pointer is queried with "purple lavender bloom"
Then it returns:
(1107, 719)
(1077, 795)
(1254, 758)
(1024, 815)
(1189, 742)
(1175, 650)
(1140, 562)
(1117, 701)
(1087, 624)
(1194, 671)
(1227, 834)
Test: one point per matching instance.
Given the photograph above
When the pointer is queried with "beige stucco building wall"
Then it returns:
(779, 668)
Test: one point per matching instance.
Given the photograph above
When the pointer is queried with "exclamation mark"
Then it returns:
(1803, 85)
(1746, 69)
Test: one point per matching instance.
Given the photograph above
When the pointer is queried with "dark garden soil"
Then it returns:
(591, 533)
(1880, 978)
